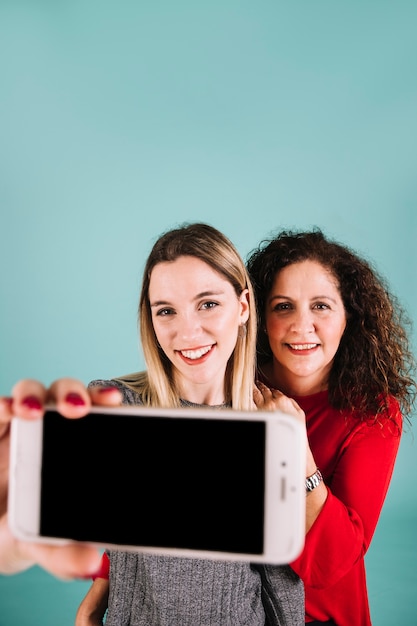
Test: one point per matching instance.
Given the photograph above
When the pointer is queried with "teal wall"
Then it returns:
(119, 120)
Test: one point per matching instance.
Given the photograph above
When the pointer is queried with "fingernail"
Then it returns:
(75, 399)
(32, 402)
(107, 389)
(93, 575)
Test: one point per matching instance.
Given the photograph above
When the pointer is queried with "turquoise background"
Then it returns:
(120, 120)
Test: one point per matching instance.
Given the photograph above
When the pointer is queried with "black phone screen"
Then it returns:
(150, 481)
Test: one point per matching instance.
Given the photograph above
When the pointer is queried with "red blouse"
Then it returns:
(356, 459)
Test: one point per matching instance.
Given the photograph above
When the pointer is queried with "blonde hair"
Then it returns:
(156, 385)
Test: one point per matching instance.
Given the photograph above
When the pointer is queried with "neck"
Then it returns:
(203, 394)
(223, 405)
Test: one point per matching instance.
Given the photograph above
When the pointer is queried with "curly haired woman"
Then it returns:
(333, 338)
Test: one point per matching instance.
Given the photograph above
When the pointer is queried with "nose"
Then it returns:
(188, 327)
(302, 321)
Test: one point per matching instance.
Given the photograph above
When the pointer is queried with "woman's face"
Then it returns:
(196, 315)
(305, 319)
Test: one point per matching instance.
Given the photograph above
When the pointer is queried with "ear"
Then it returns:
(244, 306)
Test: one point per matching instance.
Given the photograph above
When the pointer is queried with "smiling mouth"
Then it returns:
(302, 346)
(195, 354)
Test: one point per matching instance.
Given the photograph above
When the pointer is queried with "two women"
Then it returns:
(331, 338)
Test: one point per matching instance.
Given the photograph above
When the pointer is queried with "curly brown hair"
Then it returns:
(374, 358)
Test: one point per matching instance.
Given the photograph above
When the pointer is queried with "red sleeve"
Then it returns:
(104, 569)
(342, 532)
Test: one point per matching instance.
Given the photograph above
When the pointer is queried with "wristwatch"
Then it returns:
(313, 481)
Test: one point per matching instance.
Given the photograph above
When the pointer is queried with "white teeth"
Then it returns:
(195, 354)
(302, 346)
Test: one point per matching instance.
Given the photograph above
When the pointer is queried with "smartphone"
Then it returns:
(200, 482)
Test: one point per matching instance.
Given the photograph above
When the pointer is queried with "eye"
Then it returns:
(282, 306)
(321, 306)
(209, 305)
(164, 312)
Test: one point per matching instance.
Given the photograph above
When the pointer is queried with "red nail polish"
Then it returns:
(107, 389)
(75, 399)
(32, 402)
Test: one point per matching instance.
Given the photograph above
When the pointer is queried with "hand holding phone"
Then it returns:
(188, 482)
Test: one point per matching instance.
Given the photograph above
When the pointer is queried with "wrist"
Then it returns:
(313, 481)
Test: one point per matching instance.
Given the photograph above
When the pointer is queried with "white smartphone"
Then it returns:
(186, 482)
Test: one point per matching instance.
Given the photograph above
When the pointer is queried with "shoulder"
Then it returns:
(392, 417)
(386, 420)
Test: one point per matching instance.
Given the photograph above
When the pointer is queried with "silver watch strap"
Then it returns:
(313, 481)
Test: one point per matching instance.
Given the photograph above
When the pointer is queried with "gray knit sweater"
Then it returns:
(155, 590)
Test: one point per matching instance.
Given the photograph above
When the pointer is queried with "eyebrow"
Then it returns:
(319, 297)
(198, 296)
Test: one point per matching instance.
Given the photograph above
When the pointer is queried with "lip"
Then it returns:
(302, 348)
(195, 356)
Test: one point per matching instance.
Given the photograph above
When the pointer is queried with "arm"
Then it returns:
(357, 480)
(94, 605)
(272, 400)
(343, 511)
(28, 397)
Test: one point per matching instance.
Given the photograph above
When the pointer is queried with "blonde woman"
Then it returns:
(198, 332)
